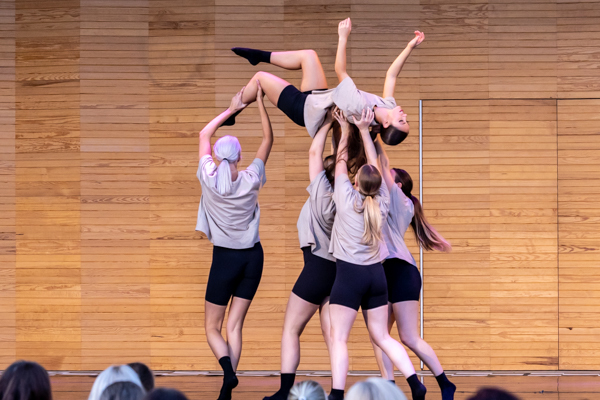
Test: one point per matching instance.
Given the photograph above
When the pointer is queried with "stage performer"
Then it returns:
(313, 286)
(308, 106)
(402, 275)
(358, 246)
(229, 216)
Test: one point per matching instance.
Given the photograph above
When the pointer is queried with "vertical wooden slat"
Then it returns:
(523, 235)
(7, 183)
(115, 183)
(522, 49)
(181, 59)
(457, 198)
(578, 39)
(48, 292)
(454, 59)
(579, 233)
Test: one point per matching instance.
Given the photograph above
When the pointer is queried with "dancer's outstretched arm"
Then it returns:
(210, 128)
(267, 143)
(384, 161)
(392, 73)
(341, 162)
(363, 126)
(344, 29)
(315, 153)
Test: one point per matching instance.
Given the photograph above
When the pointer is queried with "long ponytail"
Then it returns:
(372, 218)
(369, 182)
(427, 237)
(227, 149)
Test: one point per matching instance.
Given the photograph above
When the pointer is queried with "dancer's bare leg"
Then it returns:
(235, 322)
(326, 323)
(342, 319)
(383, 362)
(406, 314)
(297, 315)
(313, 76)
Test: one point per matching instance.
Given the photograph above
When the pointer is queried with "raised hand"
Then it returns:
(417, 40)
(341, 118)
(259, 92)
(328, 117)
(344, 28)
(236, 102)
(365, 119)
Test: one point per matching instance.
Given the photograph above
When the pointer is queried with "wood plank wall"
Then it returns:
(100, 105)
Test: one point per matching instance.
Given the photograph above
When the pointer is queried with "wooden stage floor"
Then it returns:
(200, 387)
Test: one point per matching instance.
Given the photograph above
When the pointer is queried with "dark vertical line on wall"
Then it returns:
(557, 246)
(421, 263)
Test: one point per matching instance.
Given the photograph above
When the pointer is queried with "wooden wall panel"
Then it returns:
(522, 49)
(7, 184)
(457, 201)
(115, 189)
(48, 281)
(181, 57)
(100, 108)
(454, 59)
(578, 40)
(579, 237)
(523, 235)
(502, 223)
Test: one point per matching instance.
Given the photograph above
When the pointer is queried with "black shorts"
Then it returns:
(403, 280)
(291, 101)
(234, 273)
(359, 286)
(316, 279)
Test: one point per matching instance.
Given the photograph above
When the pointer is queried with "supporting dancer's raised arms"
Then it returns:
(267, 143)
(363, 127)
(384, 162)
(211, 128)
(341, 161)
(315, 153)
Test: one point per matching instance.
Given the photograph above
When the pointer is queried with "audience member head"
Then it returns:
(25, 380)
(489, 393)
(375, 389)
(165, 394)
(123, 391)
(112, 374)
(307, 390)
(145, 374)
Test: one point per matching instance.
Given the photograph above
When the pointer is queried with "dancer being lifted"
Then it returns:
(358, 246)
(402, 276)
(313, 287)
(308, 106)
(229, 216)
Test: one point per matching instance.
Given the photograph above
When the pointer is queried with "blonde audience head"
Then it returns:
(307, 390)
(375, 389)
(112, 374)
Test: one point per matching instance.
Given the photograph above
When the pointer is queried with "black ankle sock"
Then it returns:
(417, 389)
(393, 381)
(252, 55)
(231, 120)
(230, 381)
(287, 381)
(448, 388)
(336, 394)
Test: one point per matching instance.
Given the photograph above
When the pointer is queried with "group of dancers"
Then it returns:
(351, 228)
